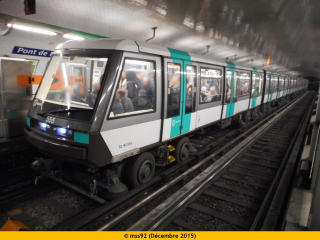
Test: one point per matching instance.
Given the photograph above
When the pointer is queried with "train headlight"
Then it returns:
(42, 125)
(62, 131)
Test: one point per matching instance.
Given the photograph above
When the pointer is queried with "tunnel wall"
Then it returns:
(29, 40)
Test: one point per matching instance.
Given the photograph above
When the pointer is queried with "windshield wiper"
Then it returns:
(42, 114)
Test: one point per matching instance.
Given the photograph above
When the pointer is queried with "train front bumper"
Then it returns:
(56, 149)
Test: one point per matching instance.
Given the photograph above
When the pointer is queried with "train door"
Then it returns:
(256, 92)
(230, 99)
(243, 90)
(189, 96)
(180, 83)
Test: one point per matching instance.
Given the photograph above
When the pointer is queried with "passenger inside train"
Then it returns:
(210, 85)
(76, 82)
(136, 88)
(191, 89)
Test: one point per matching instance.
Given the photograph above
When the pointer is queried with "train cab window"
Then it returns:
(267, 84)
(71, 82)
(230, 92)
(135, 93)
(210, 85)
(174, 82)
(244, 83)
(191, 89)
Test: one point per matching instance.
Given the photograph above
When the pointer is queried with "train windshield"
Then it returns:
(70, 82)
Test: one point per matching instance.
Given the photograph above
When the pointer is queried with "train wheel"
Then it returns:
(140, 169)
(246, 117)
(182, 151)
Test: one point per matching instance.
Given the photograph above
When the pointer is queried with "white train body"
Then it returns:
(179, 93)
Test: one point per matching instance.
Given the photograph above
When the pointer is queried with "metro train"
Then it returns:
(119, 108)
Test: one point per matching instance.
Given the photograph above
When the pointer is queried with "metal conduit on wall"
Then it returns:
(314, 217)
(303, 213)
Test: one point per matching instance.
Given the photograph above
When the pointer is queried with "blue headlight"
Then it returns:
(42, 125)
(62, 131)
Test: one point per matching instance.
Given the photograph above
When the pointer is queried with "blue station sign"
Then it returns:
(31, 51)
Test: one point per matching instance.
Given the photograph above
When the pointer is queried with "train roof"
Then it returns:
(139, 46)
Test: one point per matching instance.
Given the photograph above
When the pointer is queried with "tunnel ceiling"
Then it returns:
(286, 31)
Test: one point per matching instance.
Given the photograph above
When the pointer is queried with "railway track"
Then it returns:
(139, 201)
(213, 140)
(17, 186)
(230, 194)
(42, 206)
(26, 192)
(15, 167)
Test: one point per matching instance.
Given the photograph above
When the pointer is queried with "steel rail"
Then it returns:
(152, 220)
(275, 198)
(118, 219)
(90, 215)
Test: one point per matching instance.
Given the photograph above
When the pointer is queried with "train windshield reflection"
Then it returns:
(72, 81)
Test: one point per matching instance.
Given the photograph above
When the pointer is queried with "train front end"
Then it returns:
(67, 112)
(65, 119)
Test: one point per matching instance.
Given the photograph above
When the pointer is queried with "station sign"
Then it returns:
(31, 51)
(28, 80)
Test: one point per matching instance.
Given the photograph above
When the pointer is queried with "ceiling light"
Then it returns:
(31, 29)
(73, 37)
(98, 59)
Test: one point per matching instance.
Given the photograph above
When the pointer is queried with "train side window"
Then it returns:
(280, 84)
(191, 89)
(244, 79)
(210, 85)
(174, 89)
(273, 84)
(135, 92)
(256, 84)
(229, 85)
(260, 79)
(267, 83)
